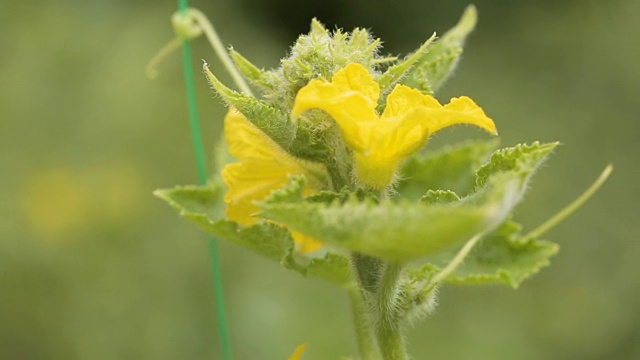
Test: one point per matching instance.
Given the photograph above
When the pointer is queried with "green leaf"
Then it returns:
(397, 71)
(205, 200)
(504, 257)
(404, 231)
(435, 67)
(392, 231)
(450, 168)
(439, 197)
(201, 205)
(334, 268)
(254, 74)
(521, 160)
(273, 122)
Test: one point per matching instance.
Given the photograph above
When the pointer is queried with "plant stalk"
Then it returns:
(367, 347)
(216, 273)
(387, 323)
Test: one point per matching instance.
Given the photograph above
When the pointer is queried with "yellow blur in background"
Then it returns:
(59, 203)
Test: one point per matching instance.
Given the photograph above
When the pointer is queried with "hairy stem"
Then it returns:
(387, 323)
(366, 344)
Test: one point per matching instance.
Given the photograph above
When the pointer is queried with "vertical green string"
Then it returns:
(223, 328)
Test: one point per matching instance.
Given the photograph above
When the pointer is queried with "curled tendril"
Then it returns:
(190, 25)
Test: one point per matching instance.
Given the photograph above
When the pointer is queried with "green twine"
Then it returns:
(223, 328)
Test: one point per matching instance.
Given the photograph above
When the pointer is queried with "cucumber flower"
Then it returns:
(381, 142)
(263, 167)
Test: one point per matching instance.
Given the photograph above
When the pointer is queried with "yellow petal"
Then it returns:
(355, 77)
(403, 99)
(375, 171)
(297, 353)
(306, 243)
(381, 143)
(402, 135)
(246, 141)
(460, 110)
(264, 167)
(250, 181)
(346, 108)
(351, 99)
(398, 138)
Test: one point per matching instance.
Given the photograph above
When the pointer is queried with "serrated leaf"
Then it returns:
(201, 205)
(333, 267)
(204, 207)
(271, 121)
(504, 257)
(205, 200)
(405, 231)
(439, 197)
(521, 159)
(435, 67)
(345, 195)
(450, 168)
(393, 231)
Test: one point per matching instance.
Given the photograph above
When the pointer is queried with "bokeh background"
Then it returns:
(92, 266)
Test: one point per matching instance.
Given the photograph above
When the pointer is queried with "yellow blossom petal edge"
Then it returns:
(350, 97)
(297, 353)
(263, 167)
(247, 142)
(380, 143)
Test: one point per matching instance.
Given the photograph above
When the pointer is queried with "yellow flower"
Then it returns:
(263, 167)
(381, 142)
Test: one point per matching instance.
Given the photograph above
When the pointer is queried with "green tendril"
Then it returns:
(575, 205)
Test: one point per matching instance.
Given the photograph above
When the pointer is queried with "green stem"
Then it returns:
(569, 209)
(387, 324)
(457, 260)
(366, 345)
(223, 328)
(367, 269)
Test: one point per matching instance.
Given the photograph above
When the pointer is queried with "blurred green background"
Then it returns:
(92, 266)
